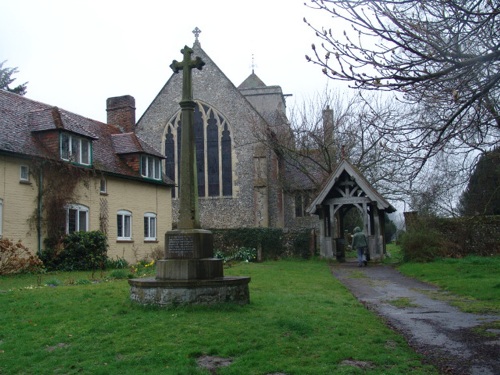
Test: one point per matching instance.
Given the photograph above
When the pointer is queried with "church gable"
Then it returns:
(227, 131)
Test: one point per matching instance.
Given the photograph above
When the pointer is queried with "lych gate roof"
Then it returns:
(346, 173)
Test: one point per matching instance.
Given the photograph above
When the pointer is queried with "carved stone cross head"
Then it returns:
(186, 65)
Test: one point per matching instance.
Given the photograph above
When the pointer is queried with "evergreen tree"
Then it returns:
(6, 79)
(482, 195)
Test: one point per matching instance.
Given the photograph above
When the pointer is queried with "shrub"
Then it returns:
(118, 263)
(81, 251)
(270, 240)
(421, 243)
(119, 274)
(16, 258)
(243, 254)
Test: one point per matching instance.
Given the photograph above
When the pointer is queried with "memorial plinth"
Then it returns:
(189, 273)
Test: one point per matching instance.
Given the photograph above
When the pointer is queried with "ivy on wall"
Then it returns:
(56, 182)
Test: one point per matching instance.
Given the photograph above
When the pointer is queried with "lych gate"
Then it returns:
(347, 189)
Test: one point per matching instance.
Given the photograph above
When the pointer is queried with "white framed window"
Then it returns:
(75, 149)
(150, 167)
(150, 226)
(24, 173)
(77, 218)
(1, 218)
(124, 225)
(103, 189)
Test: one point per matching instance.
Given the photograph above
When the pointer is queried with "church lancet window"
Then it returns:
(213, 152)
(227, 174)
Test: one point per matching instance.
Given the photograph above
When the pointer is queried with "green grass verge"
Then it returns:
(300, 321)
(473, 281)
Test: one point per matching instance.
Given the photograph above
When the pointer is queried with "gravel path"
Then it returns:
(443, 334)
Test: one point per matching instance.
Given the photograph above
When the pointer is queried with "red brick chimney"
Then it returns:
(121, 112)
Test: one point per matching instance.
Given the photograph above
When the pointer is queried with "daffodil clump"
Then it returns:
(143, 268)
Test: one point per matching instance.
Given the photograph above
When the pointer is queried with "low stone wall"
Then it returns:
(478, 235)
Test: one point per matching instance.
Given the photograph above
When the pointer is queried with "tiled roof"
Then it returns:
(22, 118)
(130, 143)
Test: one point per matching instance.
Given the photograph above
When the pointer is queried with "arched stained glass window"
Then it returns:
(213, 151)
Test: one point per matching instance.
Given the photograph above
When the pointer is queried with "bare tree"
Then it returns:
(331, 126)
(440, 58)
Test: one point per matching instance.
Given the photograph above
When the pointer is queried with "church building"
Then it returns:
(239, 177)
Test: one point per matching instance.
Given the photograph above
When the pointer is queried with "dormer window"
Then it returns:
(151, 167)
(75, 149)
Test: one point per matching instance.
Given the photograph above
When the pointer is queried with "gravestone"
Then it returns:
(189, 273)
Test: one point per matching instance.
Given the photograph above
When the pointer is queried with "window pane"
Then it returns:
(85, 152)
(72, 220)
(152, 227)
(126, 224)
(64, 146)
(103, 185)
(82, 221)
(24, 173)
(157, 169)
(75, 149)
(150, 167)
(144, 169)
(146, 227)
(119, 225)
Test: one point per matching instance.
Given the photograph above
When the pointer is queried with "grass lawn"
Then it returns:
(300, 321)
(474, 282)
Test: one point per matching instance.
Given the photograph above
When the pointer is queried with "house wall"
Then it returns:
(138, 198)
(20, 202)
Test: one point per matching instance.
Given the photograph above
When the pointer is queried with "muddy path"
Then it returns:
(455, 342)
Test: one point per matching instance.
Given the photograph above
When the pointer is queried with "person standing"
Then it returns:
(359, 243)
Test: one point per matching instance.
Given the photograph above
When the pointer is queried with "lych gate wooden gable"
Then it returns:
(347, 188)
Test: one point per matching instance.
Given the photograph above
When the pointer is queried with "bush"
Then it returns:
(81, 251)
(118, 263)
(274, 243)
(16, 258)
(243, 254)
(120, 274)
(421, 243)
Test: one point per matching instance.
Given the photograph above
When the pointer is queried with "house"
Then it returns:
(61, 172)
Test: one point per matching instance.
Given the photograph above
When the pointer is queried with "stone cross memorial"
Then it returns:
(189, 273)
(189, 249)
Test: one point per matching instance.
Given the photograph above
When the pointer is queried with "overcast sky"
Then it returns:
(77, 53)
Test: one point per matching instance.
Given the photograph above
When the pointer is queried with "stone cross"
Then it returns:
(196, 33)
(188, 182)
(186, 65)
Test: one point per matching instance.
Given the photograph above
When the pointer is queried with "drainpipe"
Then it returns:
(39, 219)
